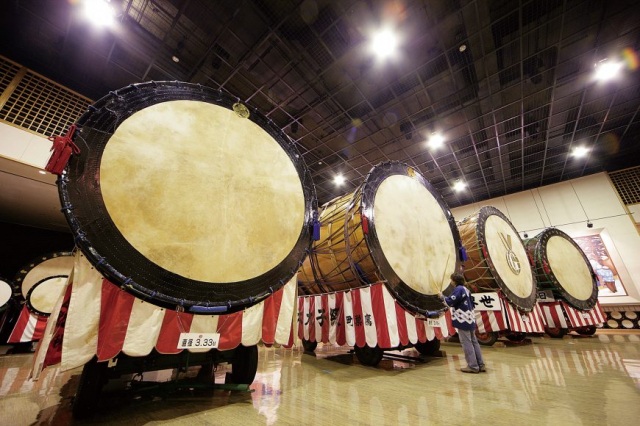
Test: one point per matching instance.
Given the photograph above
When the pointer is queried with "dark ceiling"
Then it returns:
(511, 103)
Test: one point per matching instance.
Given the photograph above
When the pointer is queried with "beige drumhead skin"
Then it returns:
(46, 294)
(5, 292)
(569, 267)
(499, 237)
(202, 192)
(414, 234)
(56, 266)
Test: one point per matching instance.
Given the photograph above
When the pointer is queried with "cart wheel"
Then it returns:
(309, 346)
(589, 330)
(516, 337)
(368, 356)
(487, 339)
(92, 380)
(556, 332)
(429, 347)
(244, 365)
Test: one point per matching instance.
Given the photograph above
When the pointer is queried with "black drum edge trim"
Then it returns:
(28, 304)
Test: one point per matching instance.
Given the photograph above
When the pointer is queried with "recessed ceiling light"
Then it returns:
(580, 151)
(339, 180)
(175, 59)
(384, 43)
(99, 12)
(459, 186)
(436, 140)
(607, 70)
(462, 48)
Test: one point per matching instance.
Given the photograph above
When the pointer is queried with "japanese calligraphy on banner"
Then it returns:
(485, 301)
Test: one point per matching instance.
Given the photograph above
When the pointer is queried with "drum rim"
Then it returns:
(27, 302)
(538, 247)
(410, 299)
(94, 120)
(524, 303)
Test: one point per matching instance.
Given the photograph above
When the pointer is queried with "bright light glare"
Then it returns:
(435, 141)
(580, 151)
(384, 43)
(606, 70)
(99, 12)
(339, 180)
(459, 186)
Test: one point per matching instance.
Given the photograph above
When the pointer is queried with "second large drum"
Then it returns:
(394, 228)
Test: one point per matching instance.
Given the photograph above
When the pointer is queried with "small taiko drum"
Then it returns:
(42, 281)
(497, 258)
(560, 265)
(394, 228)
(187, 198)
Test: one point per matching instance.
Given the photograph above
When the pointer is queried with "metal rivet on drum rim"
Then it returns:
(241, 110)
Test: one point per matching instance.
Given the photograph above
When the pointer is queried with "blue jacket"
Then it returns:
(462, 314)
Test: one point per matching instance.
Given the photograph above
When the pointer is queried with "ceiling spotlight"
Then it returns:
(607, 70)
(384, 43)
(100, 12)
(175, 59)
(339, 180)
(436, 140)
(580, 151)
(589, 224)
(459, 186)
(462, 48)
(525, 235)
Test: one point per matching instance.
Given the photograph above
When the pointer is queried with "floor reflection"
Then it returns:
(584, 380)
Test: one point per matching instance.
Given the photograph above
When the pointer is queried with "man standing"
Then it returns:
(464, 321)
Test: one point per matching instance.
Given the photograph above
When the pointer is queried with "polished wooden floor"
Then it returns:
(571, 381)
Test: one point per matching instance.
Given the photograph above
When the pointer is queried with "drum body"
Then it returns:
(394, 228)
(560, 265)
(41, 282)
(186, 198)
(497, 258)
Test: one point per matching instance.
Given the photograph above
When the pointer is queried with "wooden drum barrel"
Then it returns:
(394, 228)
(187, 198)
(560, 265)
(496, 257)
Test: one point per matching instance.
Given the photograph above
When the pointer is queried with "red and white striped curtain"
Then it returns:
(367, 316)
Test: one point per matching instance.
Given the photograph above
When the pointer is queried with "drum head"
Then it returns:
(186, 198)
(506, 257)
(412, 236)
(570, 268)
(44, 294)
(6, 292)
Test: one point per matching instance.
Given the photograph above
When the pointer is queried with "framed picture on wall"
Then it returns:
(609, 282)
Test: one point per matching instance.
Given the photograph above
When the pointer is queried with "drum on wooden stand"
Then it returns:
(560, 265)
(496, 257)
(187, 198)
(394, 228)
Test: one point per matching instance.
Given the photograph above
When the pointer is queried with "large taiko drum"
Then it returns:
(42, 281)
(394, 228)
(560, 265)
(187, 198)
(497, 258)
